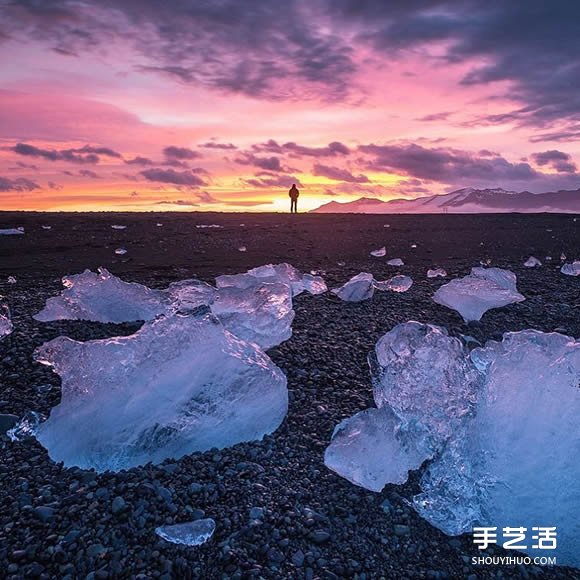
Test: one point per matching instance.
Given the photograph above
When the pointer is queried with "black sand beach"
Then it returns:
(60, 523)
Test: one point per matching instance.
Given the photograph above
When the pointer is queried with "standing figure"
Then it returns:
(293, 194)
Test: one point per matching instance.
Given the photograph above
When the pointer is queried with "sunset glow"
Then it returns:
(106, 110)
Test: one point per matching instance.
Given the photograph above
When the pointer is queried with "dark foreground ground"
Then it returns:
(314, 524)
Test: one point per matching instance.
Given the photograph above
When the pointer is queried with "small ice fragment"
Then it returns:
(159, 225)
(46, 227)
(11, 280)
(6, 326)
(203, 226)
(413, 245)
(26, 428)
(562, 257)
(314, 284)
(396, 262)
(358, 288)
(11, 231)
(572, 269)
(188, 534)
(548, 258)
(120, 251)
(387, 226)
(379, 253)
(532, 262)
(341, 263)
(397, 283)
(242, 249)
(435, 272)
(119, 227)
(43, 389)
(484, 289)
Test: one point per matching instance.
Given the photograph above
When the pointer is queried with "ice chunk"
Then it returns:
(116, 227)
(6, 326)
(242, 249)
(532, 262)
(186, 295)
(484, 289)
(27, 427)
(425, 388)
(205, 226)
(178, 385)
(380, 252)
(261, 313)
(562, 257)
(572, 269)
(188, 534)
(11, 280)
(358, 288)
(435, 272)
(102, 297)
(396, 262)
(398, 283)
(120, 251)
(314, 284)
(367, 449)
(274, 273)
(159, 225)
(46, 227)
(519, 462)
(11, 231)
(425, 377)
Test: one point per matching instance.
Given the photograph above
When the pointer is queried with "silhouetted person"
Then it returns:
(293, 194)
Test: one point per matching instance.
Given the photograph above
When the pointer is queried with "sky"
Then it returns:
(220, 105)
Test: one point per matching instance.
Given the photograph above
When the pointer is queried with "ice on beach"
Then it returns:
(396, 262)
(572, 269)
(102, 297)
(186, 295)
(188, 534)
(380, 252)
(26, 428)
(562, 257)
(11, 231)
(116, 227)
(500, 424)
(120, 251)
(11, 280)
(424, 389)
(159, 225)
(358, 288)
(46, 227)
(274, 273)
(205, 226)
(314, 284)
(261, 313)
(398, 283)
(484, 289)
(178, 385)
(6, 326)
(242, 249)
(532, 262)
(518, 461)
(436, 272)
(354, 454)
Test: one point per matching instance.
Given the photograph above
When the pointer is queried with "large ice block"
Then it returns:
(571, 269)
(484, 289)
(180, 384)
(518, 464)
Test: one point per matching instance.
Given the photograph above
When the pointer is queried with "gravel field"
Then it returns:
(280, 513)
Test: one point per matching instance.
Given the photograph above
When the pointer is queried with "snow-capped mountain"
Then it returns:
(467, 200)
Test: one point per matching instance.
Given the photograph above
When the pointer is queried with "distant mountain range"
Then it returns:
(467, 200)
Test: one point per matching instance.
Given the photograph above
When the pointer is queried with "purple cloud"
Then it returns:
(186, 178)
(19, 184)
(338, 174)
